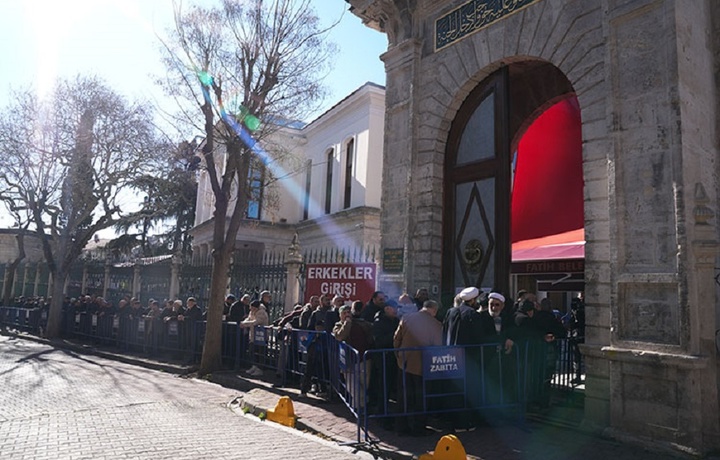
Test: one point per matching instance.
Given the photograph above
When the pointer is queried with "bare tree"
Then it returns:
(11, 268)
(67, 160)
(239, 63)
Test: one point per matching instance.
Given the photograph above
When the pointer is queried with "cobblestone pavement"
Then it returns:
(69, 403)
(59, 404)
(499, 440)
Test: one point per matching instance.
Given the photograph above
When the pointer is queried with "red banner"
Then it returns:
(350, 281)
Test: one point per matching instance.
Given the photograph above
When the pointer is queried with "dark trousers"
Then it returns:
(316, 366)
(410, 400)
(383, 378)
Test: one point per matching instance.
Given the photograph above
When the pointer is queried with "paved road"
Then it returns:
(58, 404)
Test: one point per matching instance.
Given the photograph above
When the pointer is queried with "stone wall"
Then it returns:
(644, 72)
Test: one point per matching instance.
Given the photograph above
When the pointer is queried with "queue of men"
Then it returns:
(391, 376)
(474, 320)
(169, 324)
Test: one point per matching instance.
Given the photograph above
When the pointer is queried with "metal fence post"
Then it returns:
(136, 280)
(175, 276)
(293, 262)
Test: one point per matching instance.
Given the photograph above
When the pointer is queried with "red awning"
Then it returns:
(568, 245)
(547, 194)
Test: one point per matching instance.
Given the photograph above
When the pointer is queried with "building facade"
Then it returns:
(464, 81)
(326, 183)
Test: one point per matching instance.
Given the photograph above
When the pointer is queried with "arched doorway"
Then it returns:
(480, 161)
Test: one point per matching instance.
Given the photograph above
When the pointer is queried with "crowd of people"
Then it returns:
(476, 318)
(381, 323)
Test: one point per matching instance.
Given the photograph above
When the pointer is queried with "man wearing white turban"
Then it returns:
(495, 327)
(500, 368)
(462, 326)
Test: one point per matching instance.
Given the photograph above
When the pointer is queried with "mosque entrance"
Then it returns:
(476, 244)
(513, 174)
(513, 197)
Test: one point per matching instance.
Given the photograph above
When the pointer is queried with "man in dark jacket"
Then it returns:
(239, 309)
(323, 319)
(537, 330)
(383, 376)
(463, 326)
(501, 367)
(376, 303)
(229, 300)
(187, 320)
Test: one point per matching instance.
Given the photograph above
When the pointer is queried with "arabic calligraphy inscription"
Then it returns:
(471, 17)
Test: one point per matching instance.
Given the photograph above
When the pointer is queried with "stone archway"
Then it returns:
(644, 73)
(424, 94)
(477, 176)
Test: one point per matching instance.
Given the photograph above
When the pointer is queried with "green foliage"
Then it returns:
(168, 207)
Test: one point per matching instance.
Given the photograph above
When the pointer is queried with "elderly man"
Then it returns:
(266, 300)
(188, 318)
(462, 324)
(497, 327)
(357, 333)
(419, 329)
(337, 303)
(500, 368)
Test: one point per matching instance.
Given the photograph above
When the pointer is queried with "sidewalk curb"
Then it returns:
(246, 402)
(231, 379)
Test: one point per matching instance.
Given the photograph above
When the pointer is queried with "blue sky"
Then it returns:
(116, 40)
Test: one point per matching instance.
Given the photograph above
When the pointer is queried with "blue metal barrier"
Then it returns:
(300, 355)
(24, 319)
(454, 382)
(466, 380)
(351, 381)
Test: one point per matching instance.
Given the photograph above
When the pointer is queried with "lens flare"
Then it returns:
(205, 78)
(235, 122)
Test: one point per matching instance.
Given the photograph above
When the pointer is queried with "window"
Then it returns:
(308, 176)
(255, 189)
(328, 181)
(349, 152)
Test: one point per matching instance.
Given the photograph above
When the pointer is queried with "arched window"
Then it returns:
(328, 181)
(308, 176)
(255, 189)
(349, 154)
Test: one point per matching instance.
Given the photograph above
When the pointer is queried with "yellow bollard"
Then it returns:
(448, 447)
(284, 413)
